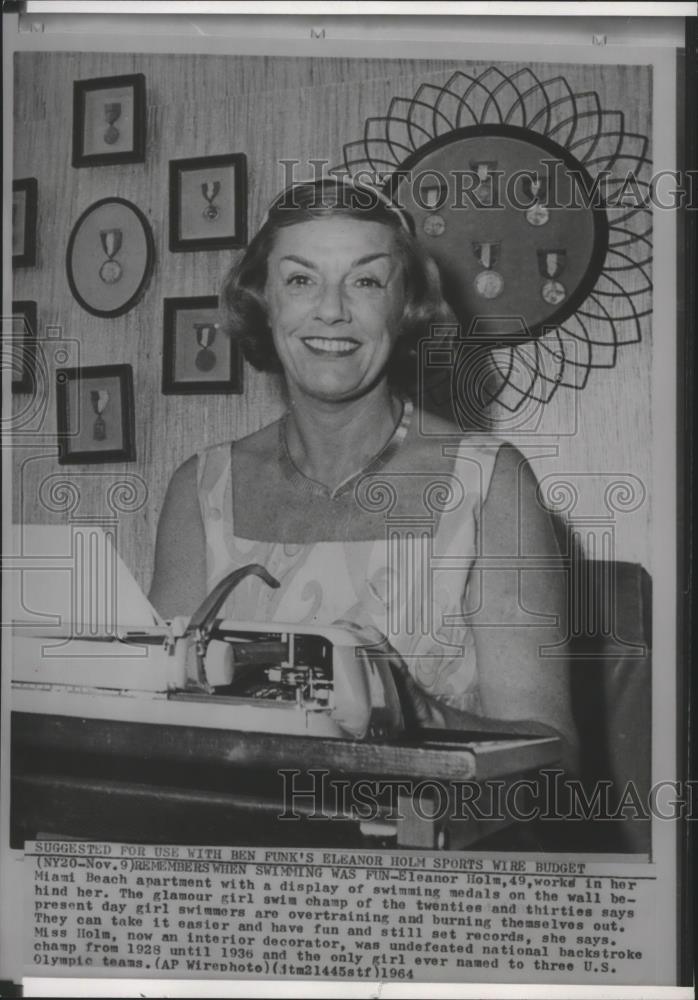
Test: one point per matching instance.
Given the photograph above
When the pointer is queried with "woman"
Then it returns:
(334, 292)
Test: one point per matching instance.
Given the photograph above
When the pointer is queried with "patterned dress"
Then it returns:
(398, 556)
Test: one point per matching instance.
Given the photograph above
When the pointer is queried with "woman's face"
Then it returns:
(335, 296)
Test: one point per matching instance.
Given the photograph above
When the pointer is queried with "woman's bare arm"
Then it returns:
(519, 612)
(522, 690)
(179, 577)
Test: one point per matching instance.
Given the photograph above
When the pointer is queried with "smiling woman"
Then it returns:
(335, 311)
(335, 293)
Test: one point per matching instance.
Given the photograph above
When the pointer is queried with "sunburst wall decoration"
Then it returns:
(534, 201)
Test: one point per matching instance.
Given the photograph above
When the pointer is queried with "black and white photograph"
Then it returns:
(344, 579)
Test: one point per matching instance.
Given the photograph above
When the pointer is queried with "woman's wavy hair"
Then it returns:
(242, 294)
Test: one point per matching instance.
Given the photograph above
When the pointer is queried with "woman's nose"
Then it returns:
(332, 306)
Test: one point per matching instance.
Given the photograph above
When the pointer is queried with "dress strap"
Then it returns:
(215, 485)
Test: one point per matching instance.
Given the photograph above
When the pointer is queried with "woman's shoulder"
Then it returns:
(261, 445)
(258, 445)
(435, 433)
(212, 466)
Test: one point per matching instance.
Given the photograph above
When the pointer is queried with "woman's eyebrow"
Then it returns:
(299, 260)
(369, 258)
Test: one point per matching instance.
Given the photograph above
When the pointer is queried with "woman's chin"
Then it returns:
(337, 390)
(336, 395)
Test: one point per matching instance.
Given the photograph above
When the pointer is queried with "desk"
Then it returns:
(159, 783)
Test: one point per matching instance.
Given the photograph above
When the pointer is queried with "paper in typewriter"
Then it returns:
(250, 809)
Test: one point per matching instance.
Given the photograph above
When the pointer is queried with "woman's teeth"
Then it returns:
(330, 345)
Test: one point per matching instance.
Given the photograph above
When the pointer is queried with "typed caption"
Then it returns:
(245, 913)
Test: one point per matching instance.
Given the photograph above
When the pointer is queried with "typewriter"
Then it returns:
(213, 672)
(135, 726)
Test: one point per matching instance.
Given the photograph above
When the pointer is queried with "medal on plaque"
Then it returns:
(433, 196)
(205, 335)
(99, 399)
(210, 190)
(434, 224)
(535, 188)
(111, 269)
(488, 283)
(484, 189)
(112, 113)
(537, 215)
(551, 264)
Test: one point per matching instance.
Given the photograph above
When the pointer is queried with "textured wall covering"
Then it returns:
(270, 109)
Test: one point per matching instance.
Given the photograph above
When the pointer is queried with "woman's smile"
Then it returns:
(333, 347)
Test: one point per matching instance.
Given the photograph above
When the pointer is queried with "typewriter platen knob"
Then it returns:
(219, 663)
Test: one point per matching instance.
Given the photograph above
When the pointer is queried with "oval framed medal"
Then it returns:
(110, 257)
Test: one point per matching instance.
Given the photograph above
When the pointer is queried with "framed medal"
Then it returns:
(198, 355)
(95, 416)
(109, 120)
(208, 203)
(24, 205)
(110, 257)
(23, 345)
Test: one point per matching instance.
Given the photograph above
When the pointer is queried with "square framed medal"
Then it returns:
(208, 203)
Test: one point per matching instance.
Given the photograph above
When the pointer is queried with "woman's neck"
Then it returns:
(329, 442)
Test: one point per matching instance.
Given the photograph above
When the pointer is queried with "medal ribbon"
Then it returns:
(551, 263)
(205, 334)
(111, 241)
(210, 189)
(535, 187)
(100, 398)
(482, 169)
(487, 254)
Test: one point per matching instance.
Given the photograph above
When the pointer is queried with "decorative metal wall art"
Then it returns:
(533, 199)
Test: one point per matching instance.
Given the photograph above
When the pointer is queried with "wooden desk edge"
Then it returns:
(236, 749)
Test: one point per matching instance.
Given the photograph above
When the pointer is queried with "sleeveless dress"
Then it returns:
(408, 579)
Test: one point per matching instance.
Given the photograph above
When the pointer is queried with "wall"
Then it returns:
(268, 108)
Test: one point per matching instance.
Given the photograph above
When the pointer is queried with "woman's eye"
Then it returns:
(368, 281)
(298, 280)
